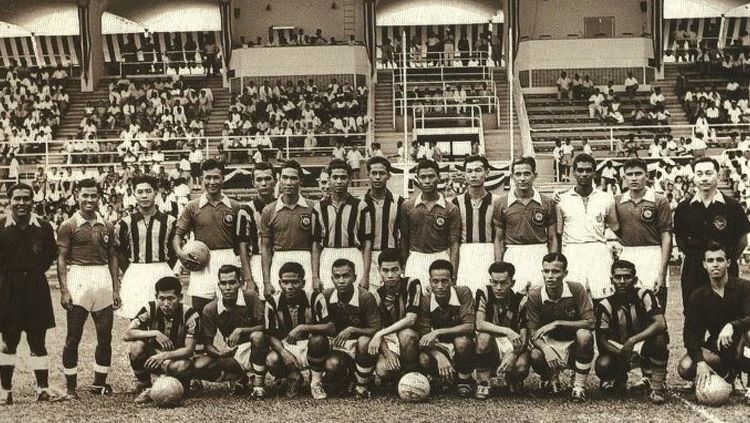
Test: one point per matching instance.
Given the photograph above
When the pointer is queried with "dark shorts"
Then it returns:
(25, 303)
(195, 170)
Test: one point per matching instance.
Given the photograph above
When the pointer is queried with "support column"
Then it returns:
(91, 39)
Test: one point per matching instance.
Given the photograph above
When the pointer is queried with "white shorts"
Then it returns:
(329, 255)
(90, 286)
(589, 264)
(527, 259)
(350, 347)
(242, 356)
(299, 351)
(474, 261)
(647, 261)
(447, 348)
(504, 346)
(418, 265)
(256, 267)
(204, 283)
(375, 281)
(138, 286)
(393, 344)
(298, 256)
(561, 348)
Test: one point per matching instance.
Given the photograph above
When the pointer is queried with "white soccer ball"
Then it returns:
(167, 392)
(414, 387)
(715, 392)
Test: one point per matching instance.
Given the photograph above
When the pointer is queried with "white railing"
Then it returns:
(435, 59)
(523, 120)
(474, 115)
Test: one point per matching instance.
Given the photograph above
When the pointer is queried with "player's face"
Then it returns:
(21, 203)
(501, 284)
(264, 181)
(379, 176)
(145, 195)
(623, 280)
(390, 273)
(88, 199)
(428, 180)
(440, 282)
(290, 181)
(584, 173)
(523, 177)
(715, 263)
(476, 174)
(168, 301)
(324, 183)
(636, 178)
(229, 286)
(291, 285)
(212, 181)
(339, 181)
(705, 176)
(553, 273)
(343, 278)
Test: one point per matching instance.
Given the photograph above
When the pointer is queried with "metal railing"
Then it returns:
(444, 103)
(474, 115)
(434, 59)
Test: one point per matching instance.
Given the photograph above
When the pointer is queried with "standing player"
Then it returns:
(144, 244)
(89, 283)
(719, 308)
(708, 216)
(287, 229)
(384, 210)
(397, 343)
(356, 319)
(645, 223)
(344, 232)
(560, 318)
(475, 207)
(298, 325)
(446, 329)
(583, 216)
(631, 322)
(248, 225)
(502, 333)
(27, 250)
(162, 338)
(526, 223)
(211, 219)
(430, 226)
(238, 316)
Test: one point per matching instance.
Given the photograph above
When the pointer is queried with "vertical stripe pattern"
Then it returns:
(476, 222)
(248, 224)
(385, 220)
(146, 242)
(340, 226)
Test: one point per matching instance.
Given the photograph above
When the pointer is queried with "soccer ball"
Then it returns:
(413, 387)
(715, 392)
(167, 392)
(199, 252)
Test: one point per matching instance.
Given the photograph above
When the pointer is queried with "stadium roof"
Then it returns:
(437, 12)
(10, 31)
(683, 9)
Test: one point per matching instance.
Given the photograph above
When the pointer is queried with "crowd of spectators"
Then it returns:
(439, 98)
(442, 49)
(178, 57)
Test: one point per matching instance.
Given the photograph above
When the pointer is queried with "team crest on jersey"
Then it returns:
(538, 217)
(228, 219)
(599, 218)
(648, 214)
(305, 221)
(571, 312)
(440, 222)
(105, 239)
(720, 222)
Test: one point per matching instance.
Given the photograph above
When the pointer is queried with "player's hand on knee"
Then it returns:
(702, 372)
(374, 346)
(293, 336)
(555, 363)
(268, 289)
(392, 362)
(316, 284)
(725, 337)
(116, 300)
(544, 330)
(364, 283)
(445, 370)
(234, 338)
(164, 342)
(505, 364)
(427, 339)
(228, 353)
(343, 336)
(66, 300)
(515, 340)
(154, 362)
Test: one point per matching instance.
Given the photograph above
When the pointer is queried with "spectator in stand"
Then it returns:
(631, 85)
(563, 86)
(557, 157)
(587, 148)
(195, 158)
(595, 104)
(657, 98)
(566, 161)
(577, 86)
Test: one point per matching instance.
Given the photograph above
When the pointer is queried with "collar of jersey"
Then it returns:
(80, 220)
(354, 301)
(565, 294)
(224, 200)
(535, 197)
(452, 299)
(240, 302)
(650, 196)
(33, 221)
(301, 202)
(440, 201)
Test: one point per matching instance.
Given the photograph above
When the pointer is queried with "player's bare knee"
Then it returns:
(381, 369)
(138, 349)
(519, 370)
(536, 356)
(272, 360)
(484, 342)
(363, 342)
(318, 345)
(202, 363)
(686, 368)
(603, 365)
(462, 344)
(584, 337)
(408, 336)
(661, 340)
(180, 368)
(259, 339)
(427, 362)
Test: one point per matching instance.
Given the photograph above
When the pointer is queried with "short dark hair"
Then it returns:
(635, 162)
(146, 179)
(344, 262)
(441, 264)
(168, 283)
(553, 257)
(524, 161)
(292, 267)
(212, 164)
(427, 164)
(477, 158)
(292, 164)
(86, 183)
(20, 185)
(230, 268)
(389, 254)
(262, 166)
(715, 246)
(623, 264)
(379, 160)
(584, 158)
(502, 267)
(338, 164)
(705, 159)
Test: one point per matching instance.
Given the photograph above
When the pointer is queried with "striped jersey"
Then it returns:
(510, 313)
(146, 241)
(394, 306)
(248, 224)
(385, 220)
(281, 316)
(184, 323)
(476, 218)
(621, 316)
(343, 226)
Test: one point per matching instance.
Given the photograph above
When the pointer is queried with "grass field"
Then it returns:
(215, 404)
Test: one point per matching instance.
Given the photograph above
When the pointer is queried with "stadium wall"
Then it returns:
(557, 19)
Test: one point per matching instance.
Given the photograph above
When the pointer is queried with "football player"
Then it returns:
(162, 338)
(630, 325)
(446, 328)
(502, 333)
(238, 316)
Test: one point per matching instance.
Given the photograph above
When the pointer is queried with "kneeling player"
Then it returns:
(502, 333)
(560, 318)
(355, 315)
(238, 316)
(631, 321)
(446, 326)
(398, 299)
(162, 338)
(298, 325)
(720, 308)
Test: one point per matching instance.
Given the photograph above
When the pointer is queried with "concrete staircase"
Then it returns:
(674, 106)
(497, 140)
(78, 100)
